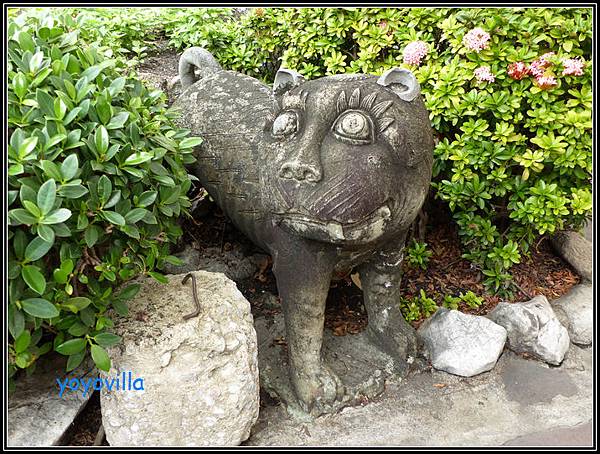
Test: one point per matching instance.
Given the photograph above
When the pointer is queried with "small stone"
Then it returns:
(234, 263)
(575, 311)
(462, 344)
(200, 375)
(576, 250)
(533, 328)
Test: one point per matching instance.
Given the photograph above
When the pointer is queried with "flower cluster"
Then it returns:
(572, 67)
(414, 52)
(476, 40)
(545, 82)
(541, 71)
(518, 70)
(484, 74)
(538, 67)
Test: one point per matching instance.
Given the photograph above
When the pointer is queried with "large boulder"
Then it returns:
(575, 311)
(462, 344)
(199, 375)
(576, 250)
(533, 328)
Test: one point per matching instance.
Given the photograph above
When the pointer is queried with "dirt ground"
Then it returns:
(447, 273)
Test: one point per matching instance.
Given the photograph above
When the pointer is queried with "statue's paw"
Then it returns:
(319, 392)
(397, 340)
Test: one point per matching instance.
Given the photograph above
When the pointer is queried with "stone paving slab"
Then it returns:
(37, 414)
(519, 401)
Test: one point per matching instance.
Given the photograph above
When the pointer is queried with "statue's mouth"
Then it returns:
(367, 229)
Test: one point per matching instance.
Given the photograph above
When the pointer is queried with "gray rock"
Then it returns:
(575, 311)
(38, 413)
(576, 250)
(533, 328)
(200, 375)
(234, 263)
(462, 344)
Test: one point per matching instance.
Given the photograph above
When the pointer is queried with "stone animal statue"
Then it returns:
(326, 175)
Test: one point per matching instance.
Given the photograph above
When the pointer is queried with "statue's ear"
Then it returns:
(286, 79)
(402, 82)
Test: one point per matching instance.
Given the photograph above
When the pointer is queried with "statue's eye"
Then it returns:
(285, 124)
(354, 127)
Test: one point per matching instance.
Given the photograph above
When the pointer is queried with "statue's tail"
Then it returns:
(195, 57)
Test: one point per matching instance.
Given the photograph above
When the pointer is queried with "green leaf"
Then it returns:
(60, 109)
(138, 158)
(75, 360)
(107, 339)
(20, 85)
(36, 249)
(159, 277)
(34, 279)
(71, 346)
(46, 102)
(39, 307)
(114, 217)
(32, 208)
(120, 307)
(46, 233)
(190, 142)
(69, 167)
(129, 292)
(22, 342)
(116, 86)
(91, 235)
(16, 321)
(56, 217)
(135, 215)
(51, 169)
(147, 198)
(79, 303)
(104, 188)
(118, 120)
(101, 140)
(26, 42)
(27, 146)
(100, 357)
(46, 196)
(22, 216)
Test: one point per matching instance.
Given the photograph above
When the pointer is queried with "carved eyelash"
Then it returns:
(367, 103)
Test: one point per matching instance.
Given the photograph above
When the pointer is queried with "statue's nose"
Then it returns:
(300, 171)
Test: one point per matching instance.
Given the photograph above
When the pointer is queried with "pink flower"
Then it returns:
(518, 70)
(539, 66)
(545, 82)
(477, 39)
(484, 74)
(572, 67)
(414, 52)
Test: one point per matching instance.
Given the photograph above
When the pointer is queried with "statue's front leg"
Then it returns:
(381, 280)
(303, 279)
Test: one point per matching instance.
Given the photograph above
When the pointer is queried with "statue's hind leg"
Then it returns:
(387, 328)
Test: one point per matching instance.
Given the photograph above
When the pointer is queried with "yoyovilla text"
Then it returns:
(123, 382)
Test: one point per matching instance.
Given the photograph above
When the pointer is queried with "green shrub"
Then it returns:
(96, 183)
(418, 255)
(514, 153)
